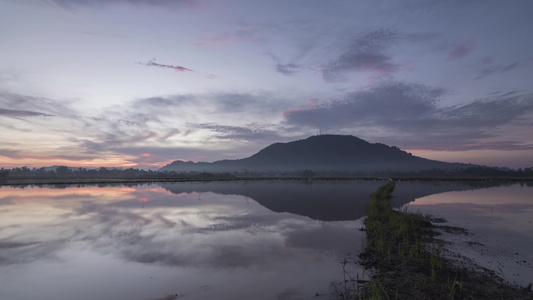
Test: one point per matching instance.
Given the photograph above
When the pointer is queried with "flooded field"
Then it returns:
(499, 222)
(227, 240)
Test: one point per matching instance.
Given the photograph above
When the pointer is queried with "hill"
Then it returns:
(339, 153)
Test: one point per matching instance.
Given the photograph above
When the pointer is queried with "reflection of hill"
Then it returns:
(319, 200)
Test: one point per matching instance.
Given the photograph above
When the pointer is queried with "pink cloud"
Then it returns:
(309, 104)
(461, 50)
(152, 63)
(212, 42)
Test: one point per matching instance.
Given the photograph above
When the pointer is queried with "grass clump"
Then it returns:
(408, 262)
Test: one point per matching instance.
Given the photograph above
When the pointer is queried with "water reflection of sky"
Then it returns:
(144, 242)
(500, 220)
(229, 240)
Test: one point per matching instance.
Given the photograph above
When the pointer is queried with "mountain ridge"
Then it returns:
(320, 153)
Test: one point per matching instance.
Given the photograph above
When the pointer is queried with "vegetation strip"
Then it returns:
(408, 264)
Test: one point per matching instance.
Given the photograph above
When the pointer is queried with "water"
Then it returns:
(499, 220)
(225, 240)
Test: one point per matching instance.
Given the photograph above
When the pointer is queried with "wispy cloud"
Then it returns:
(152, 63)
(176, 68)
(21, 113)
(28, 106)
(71, 3)
(367, 53)
(487, 67)
(103, 34)
(249, 132)
(287, 68)
(460, 50)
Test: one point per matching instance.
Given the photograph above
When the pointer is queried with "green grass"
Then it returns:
(395, 241)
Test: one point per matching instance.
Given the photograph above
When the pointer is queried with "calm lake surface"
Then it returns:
(225, 240)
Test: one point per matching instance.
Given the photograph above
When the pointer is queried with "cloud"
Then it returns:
(488, 68)
(285, 69)
(408, 115)
(21, 113)
(420, 37)
(29, 106)
(152, 63)
(103, 34)
(219, 103)
(217, 41)
(9, 153)
(249, 132)
(459, 51)
(96, 3)
(366, 53)
(170, 128)
(392, 102)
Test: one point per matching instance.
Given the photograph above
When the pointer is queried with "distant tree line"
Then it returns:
(131, 173)
(477, 171)
(66, 172)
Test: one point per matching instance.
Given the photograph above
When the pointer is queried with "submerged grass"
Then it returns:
(408, 263)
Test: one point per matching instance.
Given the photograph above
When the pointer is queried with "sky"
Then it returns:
(141, 83)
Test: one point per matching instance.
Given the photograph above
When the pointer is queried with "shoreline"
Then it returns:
(408, 261)
(103, 180)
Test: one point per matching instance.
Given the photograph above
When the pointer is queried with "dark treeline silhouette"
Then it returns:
(68, 172)
(131, 173)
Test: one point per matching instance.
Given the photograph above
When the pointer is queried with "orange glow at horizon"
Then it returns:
(53, 193)
(46, 162)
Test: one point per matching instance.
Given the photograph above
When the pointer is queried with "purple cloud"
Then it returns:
(285, 69)
(488, 70)
(409, 115)
(365, 54)
(461, 50)
(152, 63)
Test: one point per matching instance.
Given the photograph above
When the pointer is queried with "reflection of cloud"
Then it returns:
(14, 244)
(326, 238)
(14, 252)
(249, 222)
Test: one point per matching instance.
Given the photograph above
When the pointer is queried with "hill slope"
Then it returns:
(322, 152)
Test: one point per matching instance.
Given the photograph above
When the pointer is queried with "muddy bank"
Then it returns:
(407, 262)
